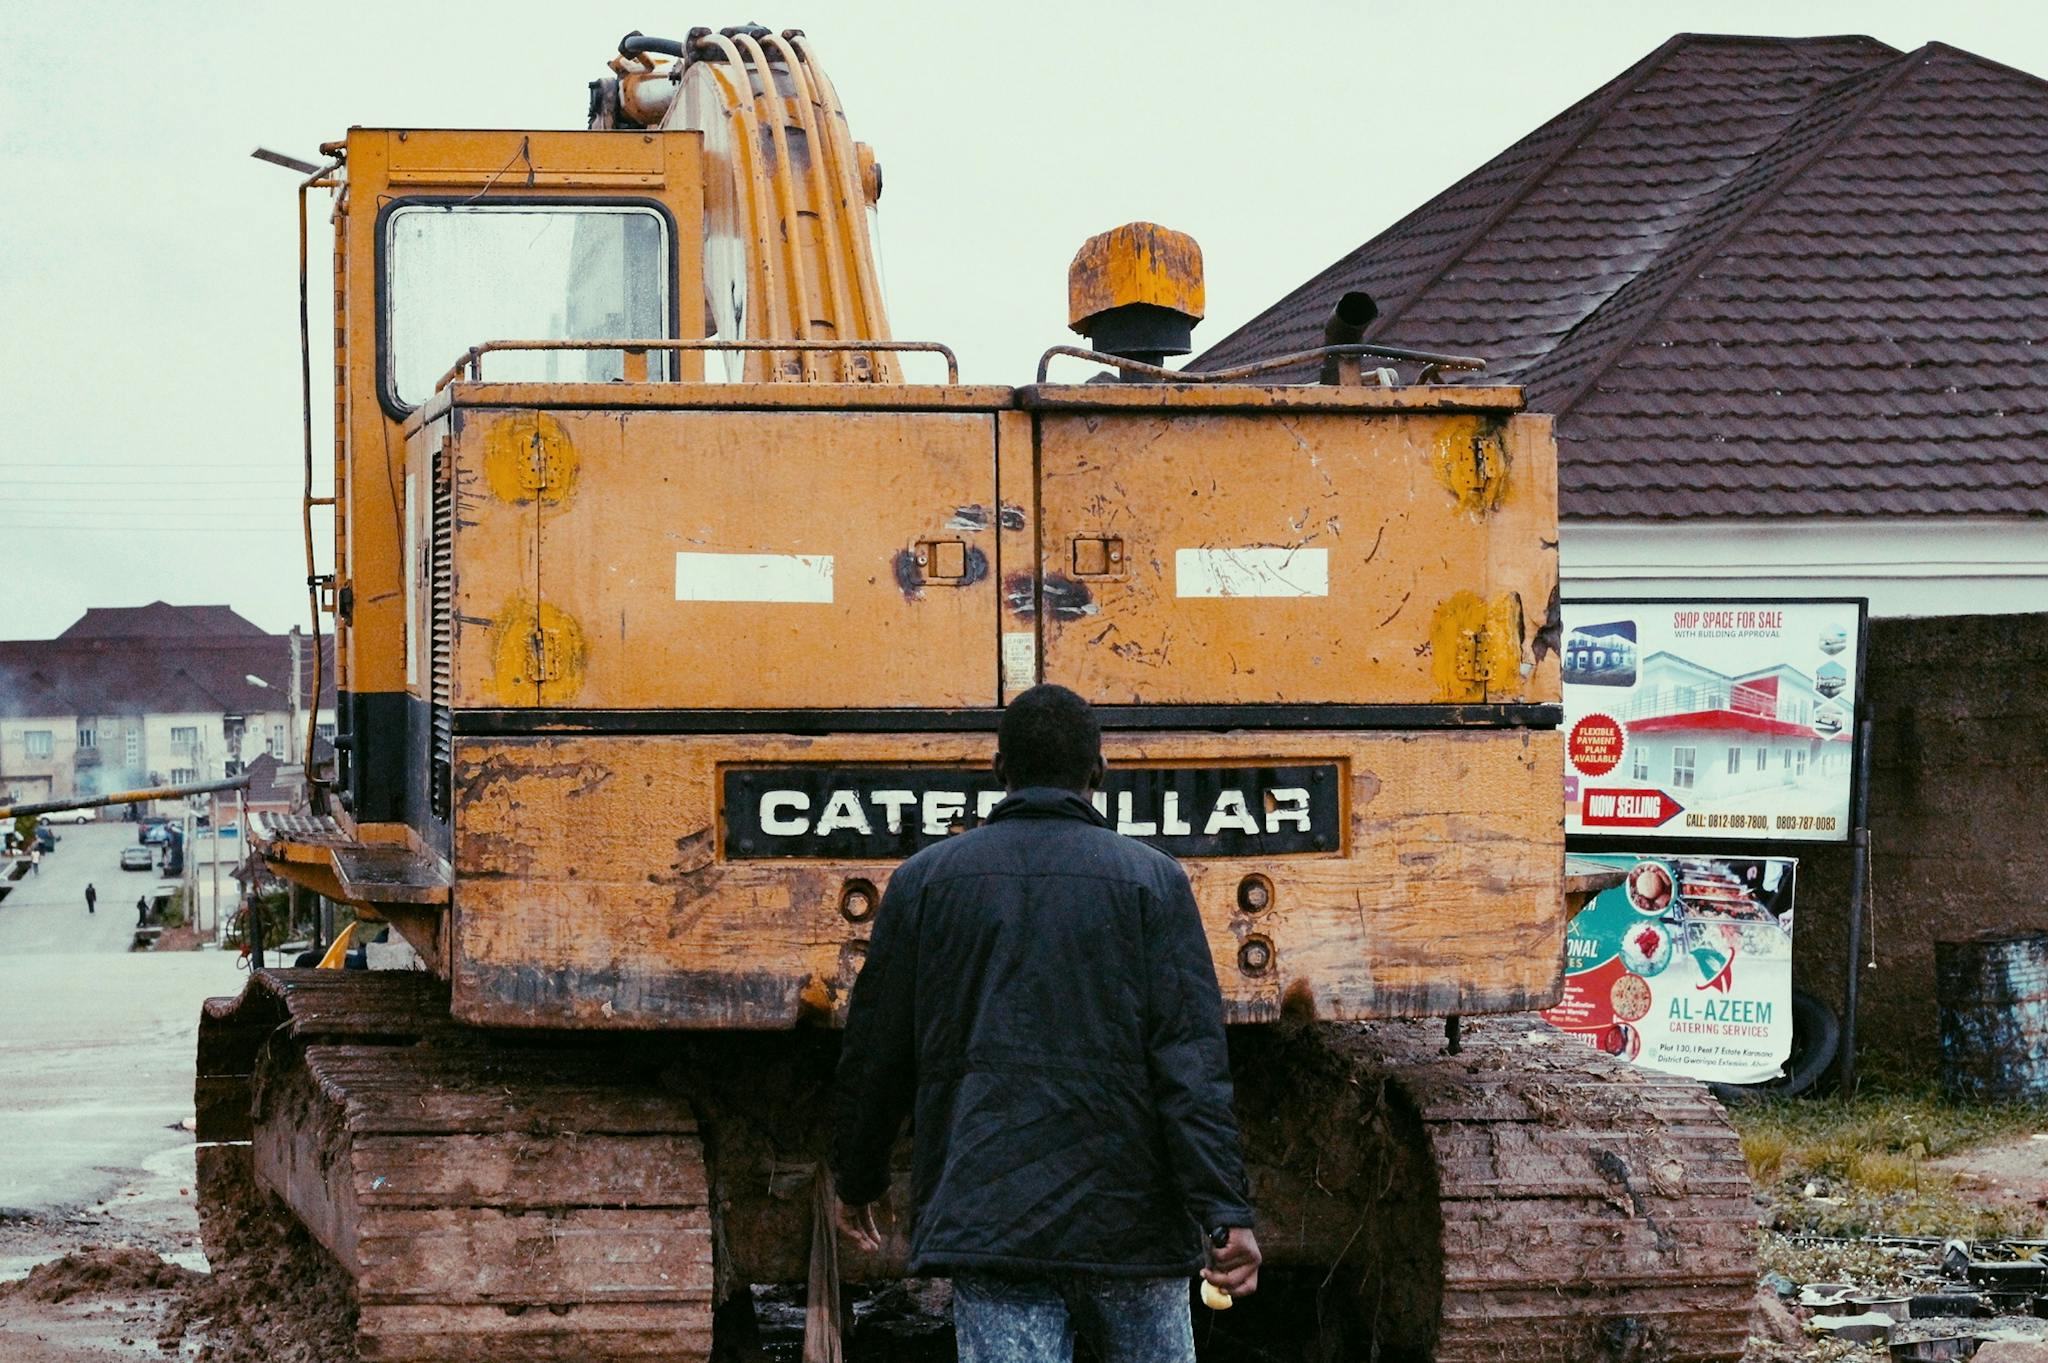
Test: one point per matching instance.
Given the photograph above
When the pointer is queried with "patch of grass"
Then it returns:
(1850, 1262)
(1861, 1167)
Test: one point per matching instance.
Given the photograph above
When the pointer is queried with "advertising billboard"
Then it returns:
(1686, 966)
(1710, 719)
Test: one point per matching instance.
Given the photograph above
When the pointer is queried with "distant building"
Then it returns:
(149, 695)
(1783, 297)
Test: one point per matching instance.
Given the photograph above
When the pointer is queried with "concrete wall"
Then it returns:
(1959, 820)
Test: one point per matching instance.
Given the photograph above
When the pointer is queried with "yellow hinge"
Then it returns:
(543, 466)
(1472, 463)
(1476, 646)
(549, 649)
(1475, 656)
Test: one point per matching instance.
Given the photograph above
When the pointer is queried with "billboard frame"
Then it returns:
(1852, 834)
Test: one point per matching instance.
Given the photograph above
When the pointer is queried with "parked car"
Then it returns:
(150, 828)
(72, 816)
(137, 859)
(46, 837)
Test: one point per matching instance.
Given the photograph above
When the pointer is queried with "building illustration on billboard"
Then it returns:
(1602, 655)
(1692, 729)
(1710, 718)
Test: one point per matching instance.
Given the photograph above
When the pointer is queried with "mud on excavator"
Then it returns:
(671, 612)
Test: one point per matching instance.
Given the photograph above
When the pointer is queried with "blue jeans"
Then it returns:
(1035, 1319)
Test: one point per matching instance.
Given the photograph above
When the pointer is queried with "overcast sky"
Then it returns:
(148, 354)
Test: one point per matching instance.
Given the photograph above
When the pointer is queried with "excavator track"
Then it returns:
(479, 1198)
(1528, 1198)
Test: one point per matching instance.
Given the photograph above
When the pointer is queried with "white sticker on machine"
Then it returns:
(1255, 570)
(803, 579)
(1020, 659)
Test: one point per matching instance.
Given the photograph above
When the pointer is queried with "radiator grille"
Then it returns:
(440, 640)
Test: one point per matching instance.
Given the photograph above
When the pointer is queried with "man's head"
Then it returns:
(1049, 737)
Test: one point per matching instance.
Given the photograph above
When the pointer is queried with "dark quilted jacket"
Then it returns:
(1039, 998)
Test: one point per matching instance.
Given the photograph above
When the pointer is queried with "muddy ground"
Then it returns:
(100, 1248)
(122, 1279)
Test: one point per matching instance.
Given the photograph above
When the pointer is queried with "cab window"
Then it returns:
(457, 275)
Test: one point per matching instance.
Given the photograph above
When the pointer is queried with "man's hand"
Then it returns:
(858, 1225)
(1235, 1267)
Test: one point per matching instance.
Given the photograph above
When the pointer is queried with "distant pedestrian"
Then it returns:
(141, 911)
(92, 898)
(35, 859)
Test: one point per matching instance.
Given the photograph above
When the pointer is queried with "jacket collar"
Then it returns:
(1046, 802)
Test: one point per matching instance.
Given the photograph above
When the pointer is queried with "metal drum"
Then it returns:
(1993, 996)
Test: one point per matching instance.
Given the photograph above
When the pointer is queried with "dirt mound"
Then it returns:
(100, 1271)
(274, 1295)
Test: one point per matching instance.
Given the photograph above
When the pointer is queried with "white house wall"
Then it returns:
(1945, 566)
(156, 757)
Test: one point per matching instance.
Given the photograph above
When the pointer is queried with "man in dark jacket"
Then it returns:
(1039, 997)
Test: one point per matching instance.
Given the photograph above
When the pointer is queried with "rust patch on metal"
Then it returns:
(1020, 594)
(1066, 599)
(1298, 1004)
(977, 567)
(1549, 635)
(969, 519)
(909, 580)
(478, 781)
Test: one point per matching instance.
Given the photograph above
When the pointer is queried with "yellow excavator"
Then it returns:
(674, 602)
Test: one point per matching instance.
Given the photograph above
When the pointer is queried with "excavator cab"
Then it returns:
(677, 602)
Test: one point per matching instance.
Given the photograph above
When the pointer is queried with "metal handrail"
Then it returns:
(124, 797)
(1430, 362)
(472, 359)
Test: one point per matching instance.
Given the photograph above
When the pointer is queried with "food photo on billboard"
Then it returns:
(1685, 965)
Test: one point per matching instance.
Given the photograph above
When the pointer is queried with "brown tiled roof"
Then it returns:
(1792, 276)
(160, 619)
(175, 670)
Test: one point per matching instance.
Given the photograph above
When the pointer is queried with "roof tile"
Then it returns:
(1805, 276)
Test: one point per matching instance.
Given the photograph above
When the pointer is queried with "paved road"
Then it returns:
(46, 912)
(96, 1042)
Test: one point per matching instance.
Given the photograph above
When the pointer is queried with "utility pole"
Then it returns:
(213, 818)
(242, 860)
(190, 850)
(295, 725)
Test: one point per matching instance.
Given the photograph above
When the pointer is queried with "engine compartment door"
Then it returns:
(734, 559)
(1195, 554)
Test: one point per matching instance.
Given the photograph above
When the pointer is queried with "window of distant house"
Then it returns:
(38, 742)
(277, 740)
(186, 734)
(1799, 762)
(183, 776)
(1734, 761)
(1639, 766)
(327, 732)
(88, 739)
(1682, 767)
(133, 748)
(1763, 759)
